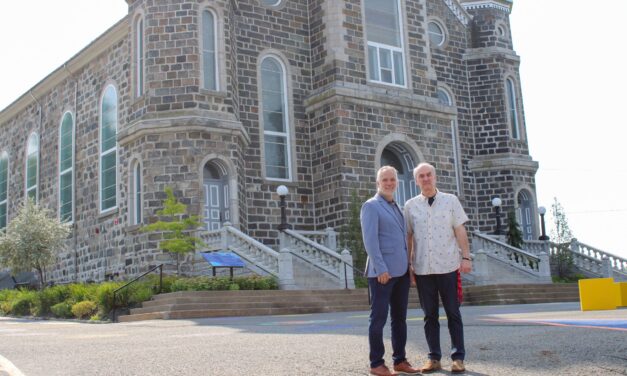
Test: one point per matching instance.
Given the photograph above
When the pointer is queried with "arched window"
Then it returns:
(513, 111)
(108, 149)
(276, 127)
(32, 167)
(209, 55)
(386, 61)
(4, 188)
(135, 196)
(66, 168)
(139, 56)
(446, 99)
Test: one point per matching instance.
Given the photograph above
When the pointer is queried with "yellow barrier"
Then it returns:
(622, 294)
(597, 294)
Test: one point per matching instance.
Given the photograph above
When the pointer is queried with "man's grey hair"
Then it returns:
(385, 168)
(421, 165)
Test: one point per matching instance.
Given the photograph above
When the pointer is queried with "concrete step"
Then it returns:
(197, 304)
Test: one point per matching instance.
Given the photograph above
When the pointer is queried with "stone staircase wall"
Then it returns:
(199, 304)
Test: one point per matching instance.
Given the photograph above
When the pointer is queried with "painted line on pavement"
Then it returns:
(618, 325)
(10, 368)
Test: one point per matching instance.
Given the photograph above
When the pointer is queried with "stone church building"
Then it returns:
(224, 100)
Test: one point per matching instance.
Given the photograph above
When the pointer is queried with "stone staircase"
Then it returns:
(199, 304)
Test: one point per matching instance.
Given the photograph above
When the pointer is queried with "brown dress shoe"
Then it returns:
(430, 366)
(458, 366)
(404, 368)
(381, 370)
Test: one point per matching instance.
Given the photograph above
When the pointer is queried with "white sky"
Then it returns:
(572, 74)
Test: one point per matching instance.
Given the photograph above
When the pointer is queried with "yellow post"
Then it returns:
(597, 294)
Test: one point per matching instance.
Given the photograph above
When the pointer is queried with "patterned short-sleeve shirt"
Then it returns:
(435, 247)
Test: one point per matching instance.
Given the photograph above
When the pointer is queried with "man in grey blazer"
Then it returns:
(384, 234)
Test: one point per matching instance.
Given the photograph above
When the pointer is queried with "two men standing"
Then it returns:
(431, 253)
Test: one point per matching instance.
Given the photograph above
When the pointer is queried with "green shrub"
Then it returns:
(234, 286)
(48, 297)
(82, 291)
(6, 300)
(140, 293)
(361, 282)
(84, 309)
(62, 310)
(23, 303)
(104, 296)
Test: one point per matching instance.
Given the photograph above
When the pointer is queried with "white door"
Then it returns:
(216, 210)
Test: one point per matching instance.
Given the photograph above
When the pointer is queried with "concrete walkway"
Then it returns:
(533, 339)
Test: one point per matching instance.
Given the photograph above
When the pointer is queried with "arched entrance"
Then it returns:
(397, 156)
(216, 201)
(524, 212)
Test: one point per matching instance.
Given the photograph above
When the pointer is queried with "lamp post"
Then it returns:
(542, 212)
(496, 202)
(282, 192)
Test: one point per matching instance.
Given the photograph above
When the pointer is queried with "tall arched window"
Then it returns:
(4, 188)
(66, 168)
(139, 57)
(108, 149)
(446, 99)
(32, 167)
(276, 127)
(135, 195)
(513, 111)
(209, 55)
(386, 61)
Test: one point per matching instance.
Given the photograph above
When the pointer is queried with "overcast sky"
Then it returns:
(572, 73)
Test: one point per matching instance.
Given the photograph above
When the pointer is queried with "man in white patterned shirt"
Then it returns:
(439, 250)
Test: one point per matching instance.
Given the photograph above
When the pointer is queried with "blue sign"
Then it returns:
(223, 259)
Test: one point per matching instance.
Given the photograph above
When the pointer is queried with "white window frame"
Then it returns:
(35, 187)
(391, 49)
(203, 39)
(442, 29)
(512, 108)
(136, 192)
(69, 170)
(139, 56)
(104, 153)
(286, 119)
(5, 156)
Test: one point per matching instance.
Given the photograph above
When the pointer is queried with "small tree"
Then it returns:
(32, 240)
(176, 226)
(562, 235)
(350, 234)
(514, 234)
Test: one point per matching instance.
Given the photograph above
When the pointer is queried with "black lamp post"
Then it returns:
(496, 202)
(282, 192)
(542, 212)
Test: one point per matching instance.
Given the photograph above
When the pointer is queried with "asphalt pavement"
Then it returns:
(532, 339)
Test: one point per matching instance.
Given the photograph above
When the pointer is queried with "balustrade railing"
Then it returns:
(316, 253)
(593, 260)
(328, 237)
(536, 265)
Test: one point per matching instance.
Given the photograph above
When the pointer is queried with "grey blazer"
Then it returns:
(385, 238)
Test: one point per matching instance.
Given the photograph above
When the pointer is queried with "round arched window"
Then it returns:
(436, 33)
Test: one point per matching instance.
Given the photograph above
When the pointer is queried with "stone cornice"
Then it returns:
(503, 5)
(181, 121)
(502, 162)
(399, 100)
(490, 52)
(458, 11)
(115, 33)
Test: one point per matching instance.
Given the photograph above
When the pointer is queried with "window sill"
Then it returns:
(108, 213)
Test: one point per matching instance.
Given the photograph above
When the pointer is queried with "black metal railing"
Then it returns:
(115, 292)
(358, 271)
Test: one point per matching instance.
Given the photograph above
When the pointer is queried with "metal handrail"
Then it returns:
(358, 271)
(160, 267)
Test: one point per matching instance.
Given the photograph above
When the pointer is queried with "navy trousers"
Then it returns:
(445, 286)
(392, 296)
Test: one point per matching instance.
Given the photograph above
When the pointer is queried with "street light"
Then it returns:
(282, 192)
(542, 212)
(496, 202)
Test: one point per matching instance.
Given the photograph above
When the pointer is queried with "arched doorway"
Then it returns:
(397, 156)
(216, 201)
(524, 212)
